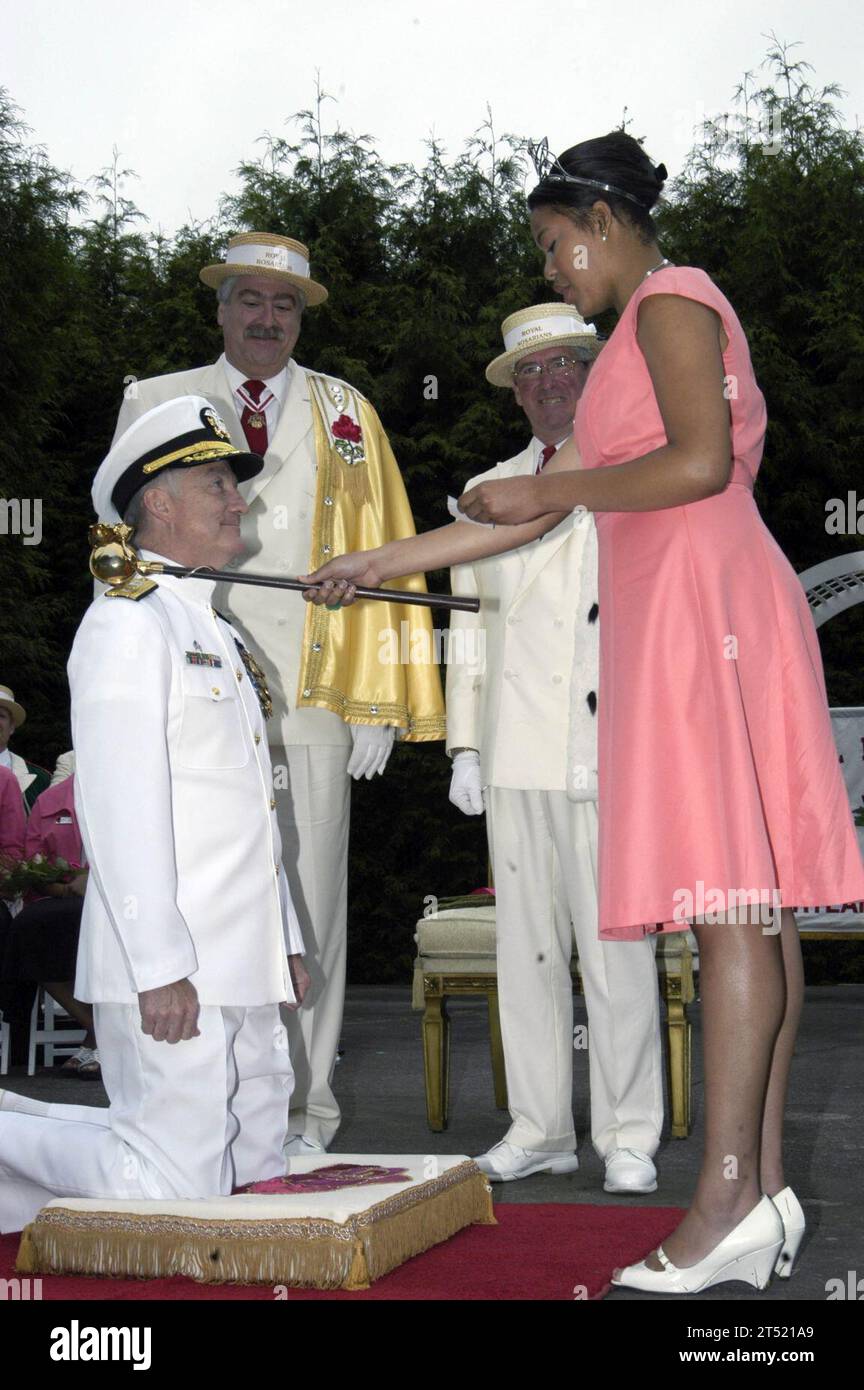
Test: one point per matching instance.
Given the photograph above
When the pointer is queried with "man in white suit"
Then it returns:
(329, 483)
(189, 940)
(521, 727)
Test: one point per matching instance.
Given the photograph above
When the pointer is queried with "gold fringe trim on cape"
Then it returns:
(417, 730)
(303, 1253)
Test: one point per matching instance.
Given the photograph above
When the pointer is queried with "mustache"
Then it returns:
(260, 330)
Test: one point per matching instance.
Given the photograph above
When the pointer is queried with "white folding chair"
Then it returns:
(56, 1041)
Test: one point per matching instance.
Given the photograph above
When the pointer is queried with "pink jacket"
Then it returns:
(12, 816)
(52, 828)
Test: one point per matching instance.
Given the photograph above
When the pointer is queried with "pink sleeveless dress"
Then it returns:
(719, 781)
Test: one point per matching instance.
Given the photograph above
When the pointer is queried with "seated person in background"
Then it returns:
(13, 823)
(42, 941)
(32, 779)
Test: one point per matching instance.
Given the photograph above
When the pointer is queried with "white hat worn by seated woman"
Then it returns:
(8, 701)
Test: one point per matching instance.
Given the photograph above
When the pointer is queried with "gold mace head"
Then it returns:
(112, 558)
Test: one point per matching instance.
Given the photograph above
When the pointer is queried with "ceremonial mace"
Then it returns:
(114, 561)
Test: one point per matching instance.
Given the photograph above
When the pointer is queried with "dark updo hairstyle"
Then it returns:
(616, 159)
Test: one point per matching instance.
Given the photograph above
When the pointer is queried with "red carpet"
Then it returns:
(536, 1252)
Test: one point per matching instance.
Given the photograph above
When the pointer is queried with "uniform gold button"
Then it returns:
(239, 673)
(215, 689)
(272, 803)
(257, 738)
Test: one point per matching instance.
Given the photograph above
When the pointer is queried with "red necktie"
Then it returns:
(254, 422)
(548, 451)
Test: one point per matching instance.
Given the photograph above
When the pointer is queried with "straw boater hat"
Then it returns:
(7, 699)
(542, 326)
(264, 253)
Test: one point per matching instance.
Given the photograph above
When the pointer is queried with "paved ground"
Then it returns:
(380, 1086)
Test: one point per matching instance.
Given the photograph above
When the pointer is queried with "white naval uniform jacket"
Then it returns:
(278, 533)
(521, 696)
(174, 799)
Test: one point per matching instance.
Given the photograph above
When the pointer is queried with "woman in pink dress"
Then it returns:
(721, 801)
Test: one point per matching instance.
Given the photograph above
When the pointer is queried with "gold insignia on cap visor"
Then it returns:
(216, 423)
(202, 451)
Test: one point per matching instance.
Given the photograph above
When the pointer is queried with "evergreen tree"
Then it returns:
(36, 293)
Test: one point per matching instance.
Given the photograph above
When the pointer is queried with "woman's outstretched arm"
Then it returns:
(681, 342)
(458, 543)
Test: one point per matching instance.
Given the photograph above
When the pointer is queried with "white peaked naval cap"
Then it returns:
(182, 433)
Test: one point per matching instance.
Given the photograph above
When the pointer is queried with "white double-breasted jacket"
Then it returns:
(521, 671)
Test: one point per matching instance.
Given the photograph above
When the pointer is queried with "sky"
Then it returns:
(184, 88)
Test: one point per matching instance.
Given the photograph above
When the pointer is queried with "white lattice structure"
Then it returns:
(834, 586)
(831, 588)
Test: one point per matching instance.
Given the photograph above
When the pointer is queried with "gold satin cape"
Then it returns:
(345, 665)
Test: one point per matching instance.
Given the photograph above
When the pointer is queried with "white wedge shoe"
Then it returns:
(794, 1224)
(748, 1253)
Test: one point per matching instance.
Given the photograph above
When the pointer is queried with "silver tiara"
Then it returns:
(548, 167)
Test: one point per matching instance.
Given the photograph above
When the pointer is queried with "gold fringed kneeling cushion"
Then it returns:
(336, 1239)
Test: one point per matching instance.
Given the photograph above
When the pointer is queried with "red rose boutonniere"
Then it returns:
(348, 440)
(346, 428)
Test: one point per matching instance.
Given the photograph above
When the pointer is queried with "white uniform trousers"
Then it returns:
(544, 855)
(186, 1120)
(314, 815)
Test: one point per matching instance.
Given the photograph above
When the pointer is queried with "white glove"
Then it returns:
(466, 790)
(372, 746)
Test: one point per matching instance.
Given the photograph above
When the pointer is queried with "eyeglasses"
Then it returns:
(555, 366)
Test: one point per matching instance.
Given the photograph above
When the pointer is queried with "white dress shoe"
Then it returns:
(794, 1224)
(505, 1162)
(629, 1170)
(299, 1146)
(748, 1253)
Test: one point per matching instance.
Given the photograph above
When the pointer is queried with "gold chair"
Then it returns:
(456, 957)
